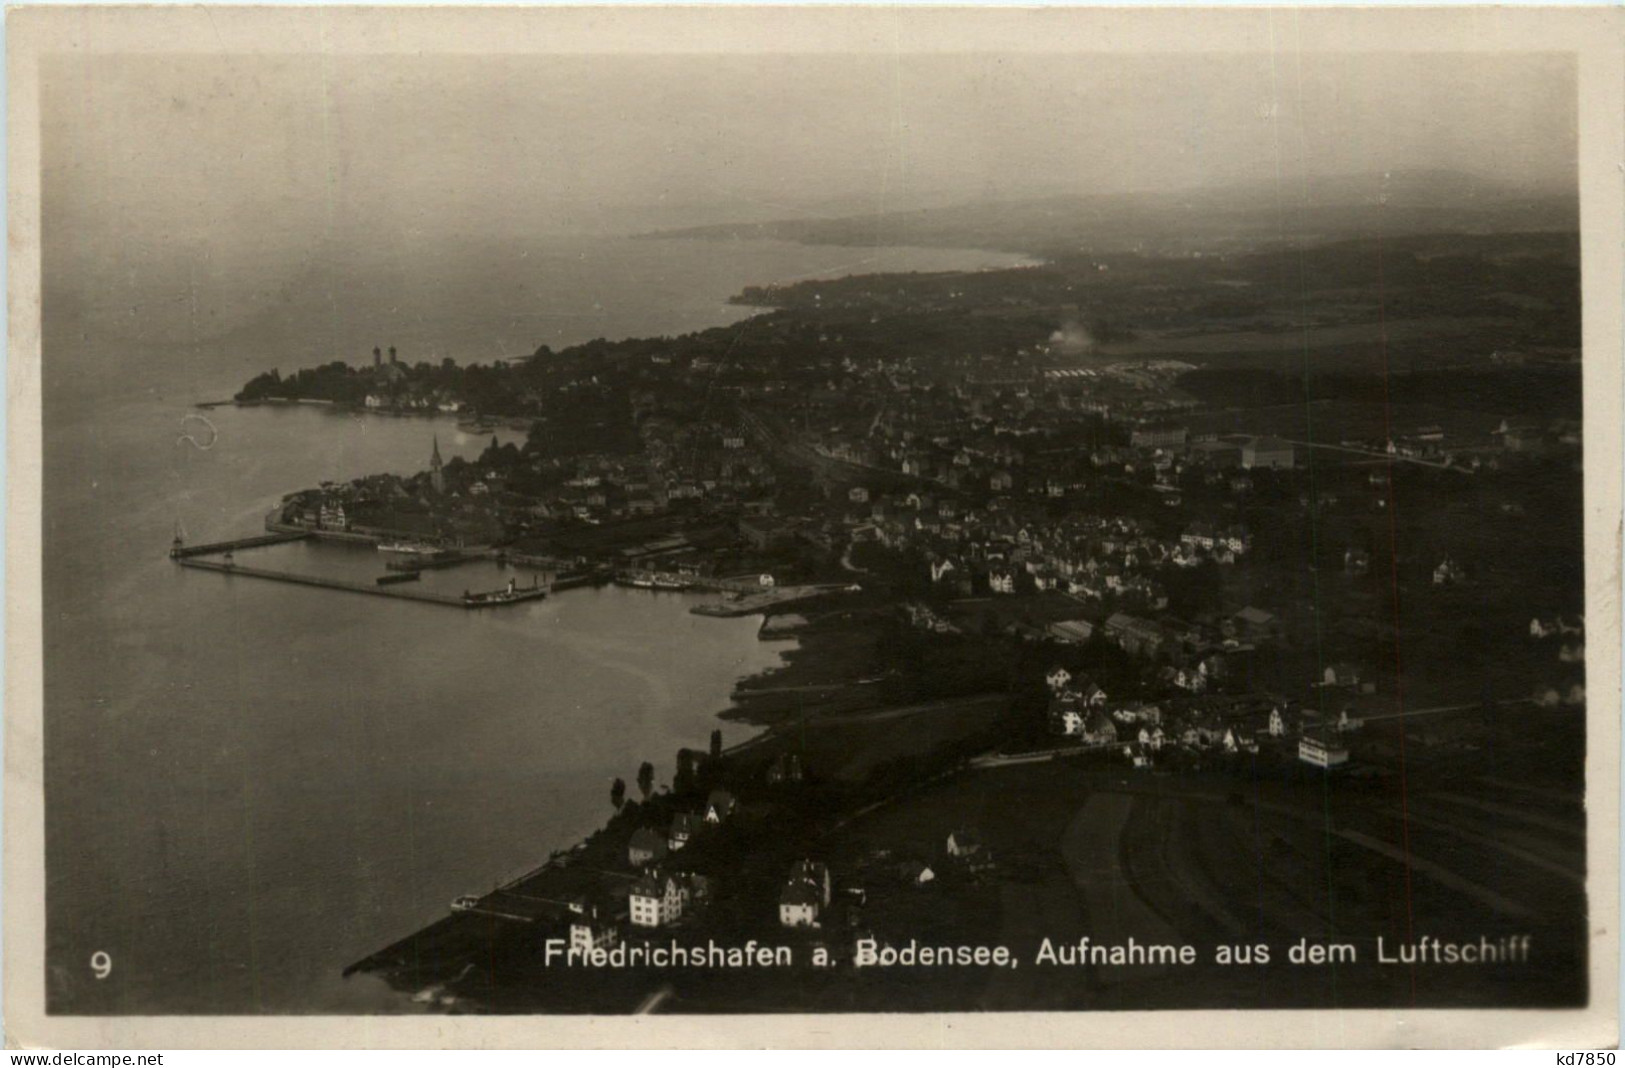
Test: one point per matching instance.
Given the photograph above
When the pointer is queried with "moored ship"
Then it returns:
(507, 595)
(415, 547)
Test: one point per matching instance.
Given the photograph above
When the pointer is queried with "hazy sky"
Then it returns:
(207, 150)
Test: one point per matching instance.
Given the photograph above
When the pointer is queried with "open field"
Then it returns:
(1266, 859)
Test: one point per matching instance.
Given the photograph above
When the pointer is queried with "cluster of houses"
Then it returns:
(700, 459)
(1572, 649)
(1009, 549)
(1098, 558)
(660, 897)
(808, 891)
(650, 846)
(1080, 711)
(1196, 650)
(926, 618)
(390, 507)
(1077, 709)
(662, 893)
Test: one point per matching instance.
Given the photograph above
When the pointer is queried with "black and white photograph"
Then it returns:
(811, 515)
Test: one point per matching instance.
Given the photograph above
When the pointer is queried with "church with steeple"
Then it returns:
(436, 478)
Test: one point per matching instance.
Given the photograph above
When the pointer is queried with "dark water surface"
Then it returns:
(250, 785)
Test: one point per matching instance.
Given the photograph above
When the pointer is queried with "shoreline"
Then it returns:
(758, 701)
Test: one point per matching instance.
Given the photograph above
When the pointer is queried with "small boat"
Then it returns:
(465, 903)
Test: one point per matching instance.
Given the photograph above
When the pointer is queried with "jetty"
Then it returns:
(227, 566)
(772, 597)
(180, 552)
(220, 558)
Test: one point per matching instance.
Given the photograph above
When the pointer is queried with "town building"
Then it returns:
(1072, 631)
(1137, 637)
(1267, 452)
(647, 846)
(437, 477)
(719, 806)
(659, 898)
(1322, 752)
(1158, 437)
(798, 905)
(332, 516)
(1255, 624)
(806, 894)
(683, 826)
(590, 927)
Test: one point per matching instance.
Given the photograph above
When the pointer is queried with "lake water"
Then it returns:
(250, 785)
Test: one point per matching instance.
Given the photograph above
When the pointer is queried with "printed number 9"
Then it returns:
(101, 964)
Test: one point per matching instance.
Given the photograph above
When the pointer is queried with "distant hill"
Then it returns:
(1200, 220)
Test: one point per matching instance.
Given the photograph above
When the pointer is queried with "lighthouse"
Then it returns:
(436, 479)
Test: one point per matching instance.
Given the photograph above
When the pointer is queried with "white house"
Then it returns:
(963, 843)
(589, 929)
(1322, 752)
(658, 899)
(798, 905)
(806, 894)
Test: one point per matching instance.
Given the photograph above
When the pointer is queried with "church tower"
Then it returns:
(436, 479)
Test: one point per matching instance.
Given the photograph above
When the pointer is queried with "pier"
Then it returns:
(228, 567)
(180, 553)
(771, 597)
(217, 557)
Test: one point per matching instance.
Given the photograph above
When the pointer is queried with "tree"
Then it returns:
(683, 782)
(646, 779)
(716, 744)
(617, 794)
